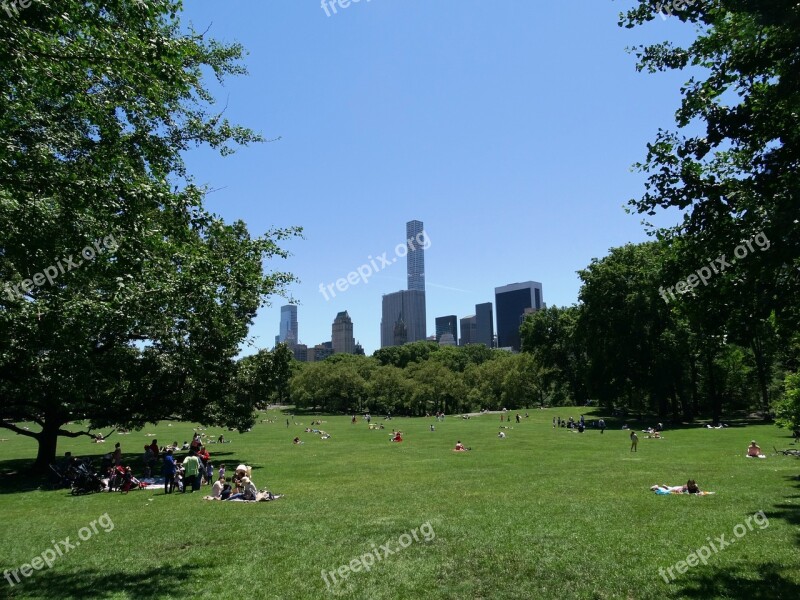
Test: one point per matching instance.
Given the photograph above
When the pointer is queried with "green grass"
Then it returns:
(543, 513)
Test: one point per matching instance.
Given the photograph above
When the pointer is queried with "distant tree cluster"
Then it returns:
(420, 378)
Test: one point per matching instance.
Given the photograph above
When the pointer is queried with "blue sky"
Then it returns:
(508, 127)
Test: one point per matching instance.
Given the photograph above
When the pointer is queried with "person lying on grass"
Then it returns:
(754, 451)
(691, 487)
(296, 441)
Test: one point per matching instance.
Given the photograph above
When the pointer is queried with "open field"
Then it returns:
(543, 513)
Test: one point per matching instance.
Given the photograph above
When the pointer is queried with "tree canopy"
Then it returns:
(99, 103)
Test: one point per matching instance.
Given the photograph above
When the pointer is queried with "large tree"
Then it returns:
(126, 300)
(732, 166)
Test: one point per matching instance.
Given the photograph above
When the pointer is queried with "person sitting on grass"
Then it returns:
(459, 447)
(226, 489)
(296, 441)
(754, 451)
(216, 489)
(501, 435)
(397, 437)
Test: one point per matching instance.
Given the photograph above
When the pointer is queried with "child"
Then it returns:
(634, 441)
(209, 472)
(222, 471)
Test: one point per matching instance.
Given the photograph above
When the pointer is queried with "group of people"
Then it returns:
(195, 470)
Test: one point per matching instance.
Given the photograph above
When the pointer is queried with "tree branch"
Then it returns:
(19, 430)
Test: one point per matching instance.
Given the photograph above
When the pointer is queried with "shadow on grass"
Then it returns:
(16, 474)
(159, 582)
(767, 584)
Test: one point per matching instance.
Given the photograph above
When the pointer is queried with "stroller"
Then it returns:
(84, 481)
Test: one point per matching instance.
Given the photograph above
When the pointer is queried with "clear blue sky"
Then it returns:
(508, 127)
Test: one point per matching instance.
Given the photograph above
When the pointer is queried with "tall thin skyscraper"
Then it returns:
(288, 328)
(511, 301)
(484, 324)
(342, 334)
(415, 259)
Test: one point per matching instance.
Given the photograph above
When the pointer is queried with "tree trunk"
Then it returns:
(48, 441)
(761, 371)
(716, 408)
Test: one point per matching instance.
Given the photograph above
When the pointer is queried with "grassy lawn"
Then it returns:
(543, 513)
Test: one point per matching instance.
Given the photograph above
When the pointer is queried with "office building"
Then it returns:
(468, 330)
(511, 301)
(342, 334)
(484, 325)
(403, 317)
(288, 327)
(415, 259)
(446, 324)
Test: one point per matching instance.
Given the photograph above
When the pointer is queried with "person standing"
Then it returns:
(518, 418)
(168, 469)
(634, 441)
(191, 471)
(602, 425)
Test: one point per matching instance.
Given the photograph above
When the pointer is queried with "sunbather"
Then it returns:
(754, 451)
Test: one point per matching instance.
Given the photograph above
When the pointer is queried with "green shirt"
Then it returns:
(191, 464)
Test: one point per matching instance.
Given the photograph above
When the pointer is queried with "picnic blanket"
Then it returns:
(260, 497)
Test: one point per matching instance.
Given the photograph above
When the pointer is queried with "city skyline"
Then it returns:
(484, 193)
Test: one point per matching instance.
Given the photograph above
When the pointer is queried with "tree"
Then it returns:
(733, 166)
(127, 301)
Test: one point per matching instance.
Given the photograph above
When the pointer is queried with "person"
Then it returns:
(296, 441)
(117, 456)
(501, 435)
(185, 445)
(209, 472)
(226, 489)
(216, 489)
(397, 437)
(433, 428)
(634, 441)
(191, 467)
(691, 487)
(168, 470)
(221, 438)
(459, 447)
(353, 420)
(222, 471)
(287, 423)
(602, 425)
(127, 479)
(518, 418)
(754, 451)
(155, 449)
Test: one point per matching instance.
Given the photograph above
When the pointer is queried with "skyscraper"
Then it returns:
(288, 327)
(511, 301)
(403, 317)
(446, 324)
(468, 330)
(415, 259)
(342, 334)
(484, 324)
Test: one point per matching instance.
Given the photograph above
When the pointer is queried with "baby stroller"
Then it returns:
(85, 482)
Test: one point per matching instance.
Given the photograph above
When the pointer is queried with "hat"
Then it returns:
(241, 468)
